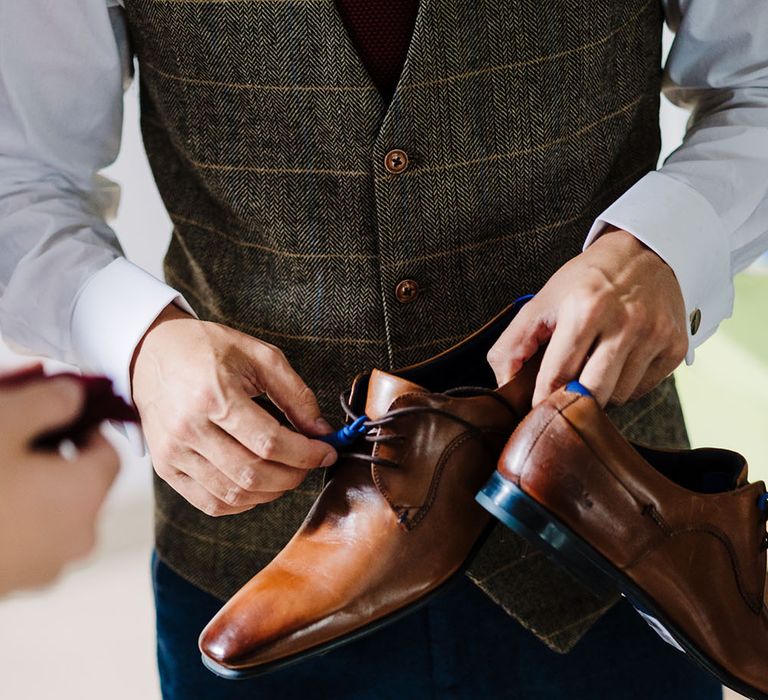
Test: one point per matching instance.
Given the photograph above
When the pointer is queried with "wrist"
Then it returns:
(626, 244)
(168, 314)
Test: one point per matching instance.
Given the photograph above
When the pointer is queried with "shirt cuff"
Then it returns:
(683, 229)
(111, 314)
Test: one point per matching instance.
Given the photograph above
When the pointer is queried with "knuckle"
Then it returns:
(249, 478)
(592, 309)
(635, 318)
(203, 399)
(162, 458)
(213, 507)
(180, 427)
(620, 398)
(297, 479)
(495, 356)
(235, 496)
(272, 354)
(663, 328)
(305, 396)
(268, 445)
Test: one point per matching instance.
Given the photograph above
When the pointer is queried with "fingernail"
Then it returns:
(323, 427)
(328, 460)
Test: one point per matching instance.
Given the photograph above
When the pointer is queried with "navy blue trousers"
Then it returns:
(460, 645)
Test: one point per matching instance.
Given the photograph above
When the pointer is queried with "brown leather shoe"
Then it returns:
(395, 522)
(680, 533)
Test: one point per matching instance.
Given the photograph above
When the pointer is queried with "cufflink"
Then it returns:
(695, 319)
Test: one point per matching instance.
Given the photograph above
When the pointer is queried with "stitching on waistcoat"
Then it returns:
(160, 515)
(615, 184)
(267, 249)
(533, 61)
(546, 637)
(174, 281)
(256, 86)
(509, 565)
(223, 167)
(582, 620)
(411, 172)
(527, 232)
(278, 171)
(256, 330)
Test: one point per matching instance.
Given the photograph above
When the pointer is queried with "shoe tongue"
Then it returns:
(383, 389)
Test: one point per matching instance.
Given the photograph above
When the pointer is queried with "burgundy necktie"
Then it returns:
(381, 32)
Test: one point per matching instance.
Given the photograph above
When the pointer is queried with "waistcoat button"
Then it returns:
(406, 291)
(396, 161)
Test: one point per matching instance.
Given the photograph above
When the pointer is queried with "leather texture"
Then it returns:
(684, 526)
(386, 531)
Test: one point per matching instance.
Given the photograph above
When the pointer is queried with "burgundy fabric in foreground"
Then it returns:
(101, 404)
(381, 32)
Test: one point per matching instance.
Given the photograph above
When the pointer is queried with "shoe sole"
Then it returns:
(370, 628)
(529, 519)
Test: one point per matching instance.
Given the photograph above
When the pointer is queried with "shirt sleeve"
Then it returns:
(705, 211)
(66, 291)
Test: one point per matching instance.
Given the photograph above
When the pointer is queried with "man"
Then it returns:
(333, 213)
(48, 502)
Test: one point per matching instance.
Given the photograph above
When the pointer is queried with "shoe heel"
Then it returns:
(524, 516)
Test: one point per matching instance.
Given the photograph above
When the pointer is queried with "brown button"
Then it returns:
(396, 161)
(406, 291)
(695, 321)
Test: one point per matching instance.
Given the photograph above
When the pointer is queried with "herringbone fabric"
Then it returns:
(521, 119)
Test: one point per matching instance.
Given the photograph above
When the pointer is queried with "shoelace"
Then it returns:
(366, 428)
(762, 503)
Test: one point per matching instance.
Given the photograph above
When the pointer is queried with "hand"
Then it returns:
(613, 316)
(48, 504)
(193, 383)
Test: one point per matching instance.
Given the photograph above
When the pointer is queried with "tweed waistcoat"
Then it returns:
(521, 120)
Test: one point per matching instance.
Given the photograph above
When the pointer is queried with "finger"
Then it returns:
(200, 497)
(260, 433)
(518, 343)
(289, 393)
(657, 372)
(45, 405)
(565, 355)
(637, 365)
(604, 367)
(97, 456)
(245, 469)
(85, 478)
(218, 484)
(20, 375)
